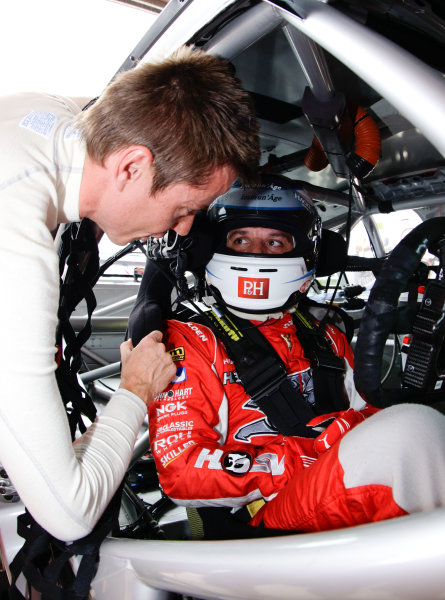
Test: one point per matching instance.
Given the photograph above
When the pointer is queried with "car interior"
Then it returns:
(302, 93)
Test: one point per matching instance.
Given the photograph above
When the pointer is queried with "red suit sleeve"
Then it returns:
(199, 461)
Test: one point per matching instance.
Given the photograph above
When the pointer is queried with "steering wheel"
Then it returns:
(380, 313)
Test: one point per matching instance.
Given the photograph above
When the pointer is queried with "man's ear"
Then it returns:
(130, 164)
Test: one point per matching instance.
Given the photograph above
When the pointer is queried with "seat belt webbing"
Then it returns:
(263, 374)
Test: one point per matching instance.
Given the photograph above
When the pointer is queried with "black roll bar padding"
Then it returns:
(333, 257)
(364, 263)
(153, 302)
(381, 310)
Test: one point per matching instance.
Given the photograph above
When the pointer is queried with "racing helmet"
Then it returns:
(260, 283)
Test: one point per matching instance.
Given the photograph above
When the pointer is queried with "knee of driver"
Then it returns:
(402, 447)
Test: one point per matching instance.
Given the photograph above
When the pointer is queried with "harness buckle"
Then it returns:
(264, 379)
(326, 359)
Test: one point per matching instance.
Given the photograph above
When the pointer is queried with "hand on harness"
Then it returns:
(147, 368)
(337, 424)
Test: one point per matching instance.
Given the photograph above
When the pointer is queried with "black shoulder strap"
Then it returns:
(327, 368)
(262, 374)
(329, 313)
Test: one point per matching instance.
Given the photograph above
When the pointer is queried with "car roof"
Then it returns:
(386, 56)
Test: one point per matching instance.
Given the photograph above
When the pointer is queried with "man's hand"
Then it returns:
(147, 369)
(337, 424)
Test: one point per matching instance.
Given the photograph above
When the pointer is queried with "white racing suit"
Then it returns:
(214, 447)
(66, 488)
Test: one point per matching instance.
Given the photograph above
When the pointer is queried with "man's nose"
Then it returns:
(257, 247)
(184, 224)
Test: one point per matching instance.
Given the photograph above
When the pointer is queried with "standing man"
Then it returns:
(162, 142)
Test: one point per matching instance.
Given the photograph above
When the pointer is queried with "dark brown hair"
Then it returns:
(188, 109)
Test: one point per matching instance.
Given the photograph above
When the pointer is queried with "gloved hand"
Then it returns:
(337, 424)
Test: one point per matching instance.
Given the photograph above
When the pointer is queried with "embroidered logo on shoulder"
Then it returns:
(181, 375)
(177, 353)
(41, 123)
(236, 463)
(198, 332)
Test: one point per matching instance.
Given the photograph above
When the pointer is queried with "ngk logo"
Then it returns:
(249, 287)
(171, 407)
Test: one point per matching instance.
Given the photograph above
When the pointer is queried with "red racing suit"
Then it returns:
(211, 443)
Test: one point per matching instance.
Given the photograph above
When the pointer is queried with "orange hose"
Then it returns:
(367, 137)
(367, 144)
(315, 159)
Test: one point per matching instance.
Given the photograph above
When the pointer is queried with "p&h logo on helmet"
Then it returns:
(250, 287)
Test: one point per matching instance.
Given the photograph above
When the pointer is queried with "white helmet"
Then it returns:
(260, 283)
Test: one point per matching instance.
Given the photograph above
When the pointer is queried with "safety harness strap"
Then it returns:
(262, 373)
(264, 376)
(45, 560)
(78, 265)
(327, 367)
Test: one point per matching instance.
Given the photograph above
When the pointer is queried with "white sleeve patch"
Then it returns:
(41, 123)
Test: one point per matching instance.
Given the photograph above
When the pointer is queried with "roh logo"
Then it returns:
(249, 287)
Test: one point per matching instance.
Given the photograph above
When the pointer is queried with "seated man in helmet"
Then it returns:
(301, 455)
